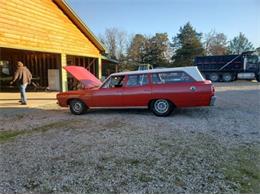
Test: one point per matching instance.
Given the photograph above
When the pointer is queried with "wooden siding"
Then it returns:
(40, 25)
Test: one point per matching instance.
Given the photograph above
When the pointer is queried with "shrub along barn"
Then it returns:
(45, 35)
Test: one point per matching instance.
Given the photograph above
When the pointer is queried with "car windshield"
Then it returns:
(252, 59)
(113, 81)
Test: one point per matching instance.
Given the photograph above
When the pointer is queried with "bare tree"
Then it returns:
(121, 44)
(215, 43)
(115, 42)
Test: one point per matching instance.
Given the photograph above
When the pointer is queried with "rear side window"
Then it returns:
(171, 77)
(137, 80)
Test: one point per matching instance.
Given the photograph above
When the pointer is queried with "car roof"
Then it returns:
(191, 70)
(155, 70)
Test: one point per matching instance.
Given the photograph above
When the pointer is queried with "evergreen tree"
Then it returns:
(157, 50)
(149, 50)
(240, 44)
(187, 45)
(137, 50)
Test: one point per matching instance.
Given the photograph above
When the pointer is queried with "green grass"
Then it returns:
(244, 170)
(11, 134)
(7, 135)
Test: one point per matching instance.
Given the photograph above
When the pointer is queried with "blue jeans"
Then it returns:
(22, 88)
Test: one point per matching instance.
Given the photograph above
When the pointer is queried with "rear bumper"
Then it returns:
(212, 100)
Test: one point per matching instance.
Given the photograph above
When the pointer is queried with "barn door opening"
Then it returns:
(39, 63)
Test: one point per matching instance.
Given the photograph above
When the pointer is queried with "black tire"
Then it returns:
(227, 77)
(235, 77)
(77, 107)
(214, 77)
(162, 107)
(257, 77)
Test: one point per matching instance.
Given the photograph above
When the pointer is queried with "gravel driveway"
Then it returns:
(195, 150)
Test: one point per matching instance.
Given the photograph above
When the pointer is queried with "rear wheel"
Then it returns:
(214, 77)
(227, 77)
(257, 77)
(162, 107)
(77, 107)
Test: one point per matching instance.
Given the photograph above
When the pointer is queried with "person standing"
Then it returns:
(22, 77)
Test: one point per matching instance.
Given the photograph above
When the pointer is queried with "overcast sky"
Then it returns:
(151, 16)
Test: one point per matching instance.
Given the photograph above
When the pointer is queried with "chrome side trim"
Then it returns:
(121, 107)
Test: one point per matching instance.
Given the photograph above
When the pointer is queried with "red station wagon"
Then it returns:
(161, 90)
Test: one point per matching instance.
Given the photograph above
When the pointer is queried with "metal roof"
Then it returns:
(109, 59)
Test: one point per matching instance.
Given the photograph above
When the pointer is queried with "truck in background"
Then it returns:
(145, 67)
(229, 67)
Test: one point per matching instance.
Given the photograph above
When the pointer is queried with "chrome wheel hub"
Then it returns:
(161, 106)
(77, 107)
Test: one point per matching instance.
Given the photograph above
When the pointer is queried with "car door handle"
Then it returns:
(193, 88)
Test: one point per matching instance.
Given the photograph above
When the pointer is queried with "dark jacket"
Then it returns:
(22, 75)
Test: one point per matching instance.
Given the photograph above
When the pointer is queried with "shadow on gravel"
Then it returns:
(119, 111)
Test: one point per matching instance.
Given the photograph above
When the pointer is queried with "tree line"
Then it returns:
(159, 50)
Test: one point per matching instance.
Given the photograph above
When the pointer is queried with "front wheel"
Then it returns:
(77, 107)
(162, 107)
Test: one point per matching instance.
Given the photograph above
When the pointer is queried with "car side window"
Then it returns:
(137, 80)
(171, 77)
(156, 79)
(114, 81)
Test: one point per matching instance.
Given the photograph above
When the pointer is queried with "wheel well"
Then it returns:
(69, 100)
(152, 100)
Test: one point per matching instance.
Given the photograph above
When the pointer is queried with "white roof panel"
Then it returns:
(191, 70)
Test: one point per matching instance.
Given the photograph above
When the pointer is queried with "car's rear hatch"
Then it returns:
(83, 76)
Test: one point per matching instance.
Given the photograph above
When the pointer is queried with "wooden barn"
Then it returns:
(46, 35)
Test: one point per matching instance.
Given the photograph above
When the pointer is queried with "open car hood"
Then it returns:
(83, 76)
